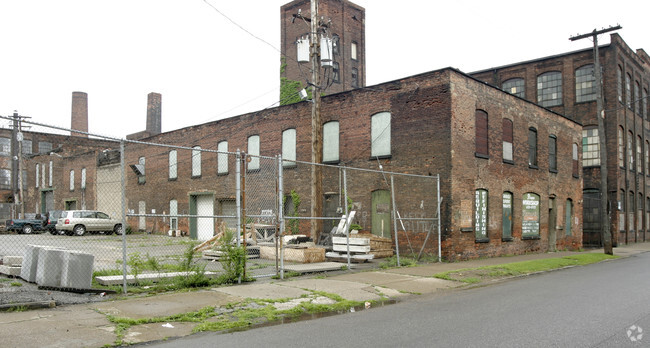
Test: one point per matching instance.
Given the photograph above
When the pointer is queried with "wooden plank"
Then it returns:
(353, 241)
(353, 248)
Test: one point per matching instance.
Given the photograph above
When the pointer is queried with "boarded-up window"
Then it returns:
(481, 119)
(222, 157)
(331, 142)
(380, 134)
(507, 140)
(552, 153)
(532, 147)
(289, 147)
(196, 161)
(481, 215)
(530, 216)
(507, 216)
(173, 166)
(568, 211)
(254, 152)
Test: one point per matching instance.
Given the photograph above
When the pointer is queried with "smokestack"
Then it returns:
(79, 113)
(154, 112)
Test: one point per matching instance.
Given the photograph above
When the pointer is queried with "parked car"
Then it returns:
(52, 218)
(78, 222)
(26, 226)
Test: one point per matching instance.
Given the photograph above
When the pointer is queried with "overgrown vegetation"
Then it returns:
(293, 224)
(240, 315)
(289, 88)
(391, 262)
(477, 275)
(233, 260)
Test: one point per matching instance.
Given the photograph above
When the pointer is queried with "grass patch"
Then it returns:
(477, 275)
(391, 262)
(16, 284)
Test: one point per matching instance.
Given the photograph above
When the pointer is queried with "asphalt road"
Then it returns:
(600, 305)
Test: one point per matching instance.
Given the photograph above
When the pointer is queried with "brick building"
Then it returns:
(510, 171)
(346, 30)
(565, 84)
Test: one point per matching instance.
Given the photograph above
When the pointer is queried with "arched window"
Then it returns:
(552, 153)
(196, 161)
(481, 215)
(507, 217)
(585, 83)
(532, 147)
(173, 165)
(380, 132)
(481, 139)
(530, 216)
(507, 140)
(222, 157)
(628, 91)
(619, 83)
(630, 150)
(289, 147)
(331, 142)
(254, 152)
(549, 89)
(621, 148)
(639, 155)
(515, 86)
(568, 216)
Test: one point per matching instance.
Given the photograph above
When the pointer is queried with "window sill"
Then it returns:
(332, 162)
(290, 166)
(482, 240)
(172, 179)
(508, 239)
(576, 176)
(530, 238)
(222, 174)
(374, 158)
(554, 171)
(196, 177)
(480, 155)
(533, 166)
(509, 162)
(466, 229)
(257, 170)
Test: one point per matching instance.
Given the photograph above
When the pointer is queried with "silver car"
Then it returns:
(78, 222)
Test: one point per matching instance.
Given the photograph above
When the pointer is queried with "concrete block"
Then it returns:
(77, 270)
(13, 271)
(12, 260)
(50, 266)
(30, 261)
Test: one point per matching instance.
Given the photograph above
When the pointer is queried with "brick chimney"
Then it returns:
(79, 113)
(154, 112)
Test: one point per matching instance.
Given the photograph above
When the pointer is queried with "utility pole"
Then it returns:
(316, 133)
(602, 143)
(17, 164)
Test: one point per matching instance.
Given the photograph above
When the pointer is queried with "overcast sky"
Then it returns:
(207, 68)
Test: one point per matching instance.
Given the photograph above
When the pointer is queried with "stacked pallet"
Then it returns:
(359, 249)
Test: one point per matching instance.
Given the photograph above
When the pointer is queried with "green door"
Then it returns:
(381, 213)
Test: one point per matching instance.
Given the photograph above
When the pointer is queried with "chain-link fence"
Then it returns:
(98, 212)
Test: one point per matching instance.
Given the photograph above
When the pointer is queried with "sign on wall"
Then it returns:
(480, 222)
(530, 215)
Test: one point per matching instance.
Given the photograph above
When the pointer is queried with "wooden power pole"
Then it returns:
(602, 143)
(316, 133)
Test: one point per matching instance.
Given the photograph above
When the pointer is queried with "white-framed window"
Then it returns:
(353, 51)
(141, 178)
(380, 134)
(173, 210)
(222, 157)
(173, 164)
(196, 161)
(331, 142)
(289, 147)
(43, 175)
(83, 178)
(38, 170)
(49, 181)
(71, 179)
(254, 152)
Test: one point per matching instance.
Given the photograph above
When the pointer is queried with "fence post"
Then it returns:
(345, 200)
(280, 232)
(238, 199)
(392, 195)
(123, 183)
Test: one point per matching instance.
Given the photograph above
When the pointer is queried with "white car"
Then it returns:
(78, 222)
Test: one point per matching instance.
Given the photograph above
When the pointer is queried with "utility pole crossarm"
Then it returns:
(595, 32)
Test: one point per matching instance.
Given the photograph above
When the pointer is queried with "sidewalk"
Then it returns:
(88, 326)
